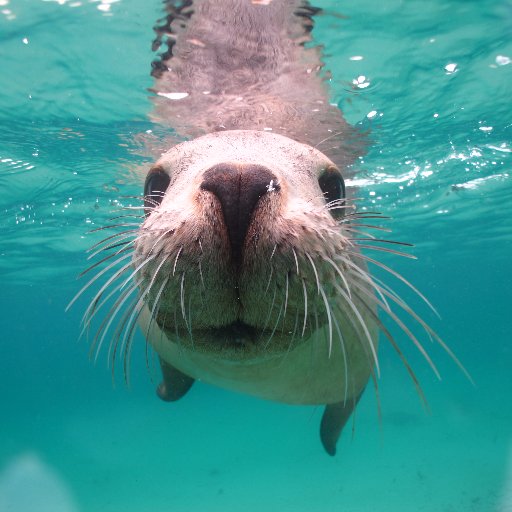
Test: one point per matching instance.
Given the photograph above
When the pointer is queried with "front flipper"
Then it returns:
(174, 383)
(334, 419)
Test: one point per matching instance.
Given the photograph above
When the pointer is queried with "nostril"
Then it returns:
(238, 187)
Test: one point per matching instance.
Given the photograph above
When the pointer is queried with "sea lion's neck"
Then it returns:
(238, 64)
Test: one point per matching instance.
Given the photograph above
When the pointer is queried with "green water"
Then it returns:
(433, 82)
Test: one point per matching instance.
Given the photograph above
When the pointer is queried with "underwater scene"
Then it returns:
(430, 84)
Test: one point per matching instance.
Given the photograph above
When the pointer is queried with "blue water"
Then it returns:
(433, 82)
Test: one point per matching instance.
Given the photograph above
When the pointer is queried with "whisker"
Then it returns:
(344, 354)
(116, 245)
(147, 260)
(285, 297)
(176, 260)
(399, 322)
(269, 278)
(128, 336)
(386, 249)
(127, 344)
(376, 390)
(315, 271)
(273, 252)
(305, 307)
(116, 338)
(115, 235)
(176, 330)
(93, 304)
(329, 318)
(370, 357)
(130, 208)
(361, 321)
(190, 332)
(135, 235)
(270, 310)
(429, 330)
(182, 299)
(365, 214)
(292, 339)
(140, 197)
(126, 216)
(327, 138)
(401, 278)
(95, 278)
(339, 272)
(397, 349)
(394, 242)
(201, 275)
(342, 201)
(158, 239)
(111, 315)
(358, 234)
(156, 305)
(360, 273)
(349, 218)
(296, 260)
(146, 292)
(93, 309)
(369, 226)
(275, 327)
(103, 260)
(115, 226)
(152, 317)
(331, 207)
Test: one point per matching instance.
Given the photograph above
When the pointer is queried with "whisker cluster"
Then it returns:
(364, 296)
(351, 299)
(119, 297)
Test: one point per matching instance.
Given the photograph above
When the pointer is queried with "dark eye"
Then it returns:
(333, 188)
(156, 184)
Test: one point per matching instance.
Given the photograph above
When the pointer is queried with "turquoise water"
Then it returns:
(433, 81)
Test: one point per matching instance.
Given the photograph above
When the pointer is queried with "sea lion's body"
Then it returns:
(291, 249)
(249, 280)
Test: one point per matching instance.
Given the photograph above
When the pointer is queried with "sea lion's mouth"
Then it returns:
(237, 333)
(234, 336)
(235, 340)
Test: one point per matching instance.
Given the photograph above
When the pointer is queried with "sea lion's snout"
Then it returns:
(239, 187)
(240, 253)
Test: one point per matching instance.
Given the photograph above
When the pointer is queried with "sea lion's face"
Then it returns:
(239, 249)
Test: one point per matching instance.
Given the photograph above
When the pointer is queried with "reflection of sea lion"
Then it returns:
(246, 271)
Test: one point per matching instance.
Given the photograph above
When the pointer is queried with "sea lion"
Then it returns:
(246, 272)
(249, 282)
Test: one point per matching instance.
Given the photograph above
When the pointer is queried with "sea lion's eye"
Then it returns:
(333, 187)
(156, 184)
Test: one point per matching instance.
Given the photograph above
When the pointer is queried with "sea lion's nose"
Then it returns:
(238, 187)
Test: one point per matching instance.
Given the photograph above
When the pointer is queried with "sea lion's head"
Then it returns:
(249, 254)
(242, 251)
